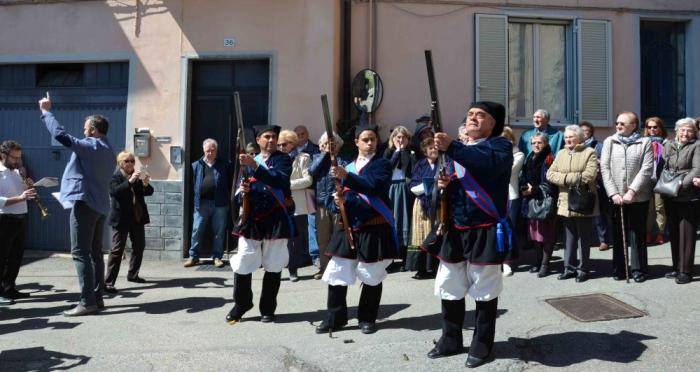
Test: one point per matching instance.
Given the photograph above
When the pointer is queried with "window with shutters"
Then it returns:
(562, 66)
(539, 65)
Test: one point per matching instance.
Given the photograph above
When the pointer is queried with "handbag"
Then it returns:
(581, 199)
(669, 183)
(541, 209)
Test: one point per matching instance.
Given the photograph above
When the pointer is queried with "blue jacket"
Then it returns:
(89, 170)
(279, 168)
(374, 180)
(420, 171)
(222, 181)
(489, 162)
(311, 149)
(555, 136)
(324, 183)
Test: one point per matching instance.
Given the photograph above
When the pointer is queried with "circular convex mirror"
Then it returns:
(367, 90)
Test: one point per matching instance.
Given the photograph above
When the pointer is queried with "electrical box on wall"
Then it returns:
(142, 142)
(175, 155)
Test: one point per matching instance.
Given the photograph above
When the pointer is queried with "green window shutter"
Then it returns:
(492, 58)
(594, 72)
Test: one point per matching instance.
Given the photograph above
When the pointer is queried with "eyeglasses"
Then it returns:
(652, 127)
(282, 144)
(620, 123)
(129, 161)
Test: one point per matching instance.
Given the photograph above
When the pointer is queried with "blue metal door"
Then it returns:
(19, 121)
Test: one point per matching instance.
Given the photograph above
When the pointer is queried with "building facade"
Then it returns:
(169, 68)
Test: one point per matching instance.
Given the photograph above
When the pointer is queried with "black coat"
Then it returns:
(122, 198)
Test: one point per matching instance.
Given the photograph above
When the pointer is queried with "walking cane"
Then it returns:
(624, 242)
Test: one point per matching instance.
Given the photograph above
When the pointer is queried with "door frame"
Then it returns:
(186, 62)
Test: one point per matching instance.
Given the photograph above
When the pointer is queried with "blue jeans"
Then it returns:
(313, 244)
(218, 216)
(86, 229)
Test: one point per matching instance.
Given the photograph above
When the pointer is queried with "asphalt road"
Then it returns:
(175, 322)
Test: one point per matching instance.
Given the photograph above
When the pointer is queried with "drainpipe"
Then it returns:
(346, 40)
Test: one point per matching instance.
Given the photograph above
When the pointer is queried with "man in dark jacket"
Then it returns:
(212, 182)
(476, 242)
(366, 182)
(264, 230)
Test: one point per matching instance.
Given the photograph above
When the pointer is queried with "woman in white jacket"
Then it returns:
(516, 218)
(300, 181)
(626, 164)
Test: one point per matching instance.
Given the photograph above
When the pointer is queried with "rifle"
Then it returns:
(438, 199)
(238, 168)
(334, 163)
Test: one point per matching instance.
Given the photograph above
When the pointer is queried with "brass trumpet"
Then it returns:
(43, 211)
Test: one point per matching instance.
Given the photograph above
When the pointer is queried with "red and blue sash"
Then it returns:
(378, 205)
(279, 196)
(482, 200)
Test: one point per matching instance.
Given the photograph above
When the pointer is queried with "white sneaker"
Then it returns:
(507, 271)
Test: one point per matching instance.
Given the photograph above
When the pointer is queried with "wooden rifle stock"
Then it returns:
(245, 197)
(334, 163)
(438, 200)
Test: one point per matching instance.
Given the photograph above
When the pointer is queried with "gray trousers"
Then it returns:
(579, 237)
(86, 229)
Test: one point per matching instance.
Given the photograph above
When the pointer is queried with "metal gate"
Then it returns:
(100, 88)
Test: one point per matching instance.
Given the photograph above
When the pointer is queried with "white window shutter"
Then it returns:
(492, 58)
(594, 72)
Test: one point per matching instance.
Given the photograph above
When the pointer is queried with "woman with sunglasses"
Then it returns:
(626, 165)
(300, 182)
(655, 131)
(127, 217)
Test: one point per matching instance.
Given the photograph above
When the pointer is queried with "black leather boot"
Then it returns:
(450, 342)
(337, 315)
(484, 332)
(242, 296)
(368, 308)
(268, 298)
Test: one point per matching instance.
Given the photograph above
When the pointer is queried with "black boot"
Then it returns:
(368, 308)
(544, 260)
(268, 297)
(337, 315)
(484, 332)
(538, 258)
(242, 296)
(450, 342)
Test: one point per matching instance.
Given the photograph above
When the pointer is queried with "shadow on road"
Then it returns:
(39, 359)
(571, 348)
(314, 317)
(188, 304)
(430, 322)
(34, 324)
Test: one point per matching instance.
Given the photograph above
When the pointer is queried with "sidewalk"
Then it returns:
(175, 322)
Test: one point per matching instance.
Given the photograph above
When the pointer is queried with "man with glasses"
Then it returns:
(212, 182)
(85, 189)
(263, 235)
(13, 211)
(540, 122)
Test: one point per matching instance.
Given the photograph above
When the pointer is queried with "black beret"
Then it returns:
(260, 129)
(496, 110)
(361, 128)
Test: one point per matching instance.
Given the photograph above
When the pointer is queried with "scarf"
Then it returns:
(627, 140)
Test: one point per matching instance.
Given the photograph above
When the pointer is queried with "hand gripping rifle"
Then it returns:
(239, 169)
(438, 200)
(334, 163)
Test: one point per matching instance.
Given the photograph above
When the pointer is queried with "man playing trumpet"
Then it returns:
(13, 211)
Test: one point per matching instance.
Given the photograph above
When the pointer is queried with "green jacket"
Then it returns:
(556, 140)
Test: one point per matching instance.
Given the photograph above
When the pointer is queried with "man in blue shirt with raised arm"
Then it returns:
(85, 189)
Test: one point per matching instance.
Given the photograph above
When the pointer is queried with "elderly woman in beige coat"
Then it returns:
(575, 163)
(300, 181)
(626, 163)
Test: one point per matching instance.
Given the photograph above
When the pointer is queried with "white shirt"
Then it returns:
(362, 161)
(11, 185)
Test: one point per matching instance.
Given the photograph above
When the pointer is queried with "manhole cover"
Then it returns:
(594, 308)
(207, 267)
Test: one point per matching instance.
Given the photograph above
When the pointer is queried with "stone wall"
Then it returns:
(164, 233)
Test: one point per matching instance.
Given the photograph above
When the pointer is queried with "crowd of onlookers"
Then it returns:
(567, 187)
